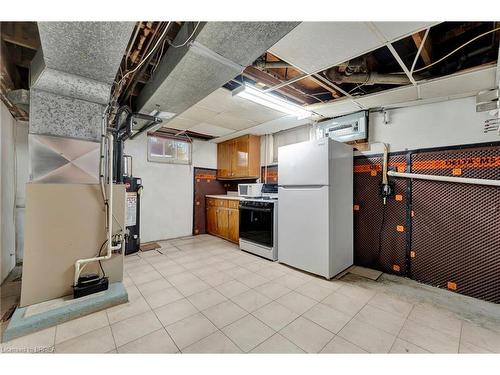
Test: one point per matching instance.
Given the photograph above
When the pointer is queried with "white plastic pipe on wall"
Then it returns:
(461, 180)
(101, 152)
(109, 228)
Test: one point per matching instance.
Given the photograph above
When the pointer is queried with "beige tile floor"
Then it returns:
(203, 295)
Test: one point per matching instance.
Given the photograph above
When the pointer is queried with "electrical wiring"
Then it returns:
(148, 55)
(455, 50)
(158, 57)
(188, 39)
(99, 254)
(360, 85)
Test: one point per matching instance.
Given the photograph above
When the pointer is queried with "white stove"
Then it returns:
(259, 224)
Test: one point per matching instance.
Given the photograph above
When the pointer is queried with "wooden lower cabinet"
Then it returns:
(234, 225)
(223, 219)
(222, 222)
(211, 219)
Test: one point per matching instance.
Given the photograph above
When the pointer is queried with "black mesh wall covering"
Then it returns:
(368, 215)
(456, 227)
(442, 234)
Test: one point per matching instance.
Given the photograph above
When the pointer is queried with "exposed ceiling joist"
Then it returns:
(329, 87)
(24, 34)
(424, 45)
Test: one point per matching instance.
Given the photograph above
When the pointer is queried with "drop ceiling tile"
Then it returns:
(218, 101)
(255, 112)
(393, 96)
(181, 123)
(462, 83)
(335, 108)
(209, 129)
(397, 30)
(231, 121)
(269, 127)
(314, 46)
(198, 113)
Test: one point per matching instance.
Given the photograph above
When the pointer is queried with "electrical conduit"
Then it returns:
(462, 180)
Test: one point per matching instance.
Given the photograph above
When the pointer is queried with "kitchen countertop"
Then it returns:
(233, 197)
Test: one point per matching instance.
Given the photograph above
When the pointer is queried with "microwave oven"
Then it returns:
(250, 190)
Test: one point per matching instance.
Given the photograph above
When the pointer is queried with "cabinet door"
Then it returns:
(212, 220)
(253, 156)
(224, 159)
(240, 157)
(234, 225)
(222, 222)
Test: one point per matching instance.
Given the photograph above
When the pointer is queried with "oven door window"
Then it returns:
(256, 224)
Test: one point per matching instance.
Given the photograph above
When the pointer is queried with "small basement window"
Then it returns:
(169, 150)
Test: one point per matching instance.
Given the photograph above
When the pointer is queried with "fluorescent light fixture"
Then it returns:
(271, 101)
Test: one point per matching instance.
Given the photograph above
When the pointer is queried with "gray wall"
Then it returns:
(7, 193)
(439, 124)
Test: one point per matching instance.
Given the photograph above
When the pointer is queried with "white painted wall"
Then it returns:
(447, 123)
(22, 178)
(167, 200)
(7, 193)
(440, 124)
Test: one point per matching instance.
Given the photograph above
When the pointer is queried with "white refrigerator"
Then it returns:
(315, 211)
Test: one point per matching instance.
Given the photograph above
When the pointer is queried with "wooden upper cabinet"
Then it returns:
(239, 158)
(224, 154)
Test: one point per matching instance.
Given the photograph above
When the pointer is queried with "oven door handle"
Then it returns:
(256, 209)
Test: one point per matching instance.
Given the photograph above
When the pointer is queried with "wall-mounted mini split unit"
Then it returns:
(347, 128)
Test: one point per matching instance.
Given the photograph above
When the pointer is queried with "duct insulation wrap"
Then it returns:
(216, 53)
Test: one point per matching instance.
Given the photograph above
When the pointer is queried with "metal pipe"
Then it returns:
(272, 65)
(156, 120)
(462, 180)
(109, 228)
(367, 78)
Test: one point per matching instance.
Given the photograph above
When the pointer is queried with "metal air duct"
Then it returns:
(217, 52)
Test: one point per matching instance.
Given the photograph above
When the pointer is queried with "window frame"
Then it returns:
(176, 141)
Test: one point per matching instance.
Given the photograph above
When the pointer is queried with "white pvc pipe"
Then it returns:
(461, 180)
(101, 152)
(109, 228)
